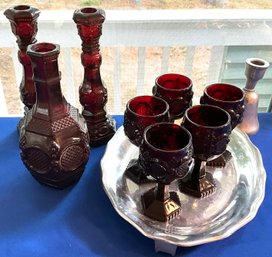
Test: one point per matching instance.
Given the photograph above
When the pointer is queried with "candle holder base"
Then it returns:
(100, 131)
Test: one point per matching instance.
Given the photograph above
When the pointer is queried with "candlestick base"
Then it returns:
(101, 130)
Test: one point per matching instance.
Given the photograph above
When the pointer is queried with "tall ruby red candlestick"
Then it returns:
(54, 139)
(92, 92)
(23, 21)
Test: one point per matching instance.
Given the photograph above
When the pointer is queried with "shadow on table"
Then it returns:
(24, 202)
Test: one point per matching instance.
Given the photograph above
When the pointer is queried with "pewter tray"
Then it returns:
(240, 192)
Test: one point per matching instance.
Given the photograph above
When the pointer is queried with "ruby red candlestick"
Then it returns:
(23, 21)
(92, 92)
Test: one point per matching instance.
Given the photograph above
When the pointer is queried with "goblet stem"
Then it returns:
(162, 192)
(200, 184)
(199, 170)
(160, 204)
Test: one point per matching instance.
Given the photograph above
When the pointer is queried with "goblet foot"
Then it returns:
(136, 173)
(159, 209)
(200, 188)
(220, 161)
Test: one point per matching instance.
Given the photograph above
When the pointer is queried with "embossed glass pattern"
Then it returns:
(23, 21)
(228, 97)
(93, 94)
(210, 128)
(166, 155)
(166, 152)
(142, 111)
(177, 91)
(240, 192)
(231, 99)
(54, 138)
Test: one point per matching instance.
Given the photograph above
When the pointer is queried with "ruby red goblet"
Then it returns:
(142, 111)
(177, 91)
(210, 128)
(231, 99)
(166, 155)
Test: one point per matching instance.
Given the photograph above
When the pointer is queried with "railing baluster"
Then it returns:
(3, 104)
(18, 72)
(170, 28)
(141, 71)
(215, 64)
(165, 59)
(116, 82)
(189, 59)
(69, 76)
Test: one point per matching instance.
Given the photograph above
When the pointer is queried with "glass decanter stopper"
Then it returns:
(92, 92)
(23, 21)
(254, 71)
(54, 138)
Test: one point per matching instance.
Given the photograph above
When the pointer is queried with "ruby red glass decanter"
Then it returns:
(210, 129)
(166, 155)
(92, 92)
(54, 139)
(177, 91)
(23, 21)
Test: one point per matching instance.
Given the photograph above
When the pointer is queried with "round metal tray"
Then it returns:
(240, 191)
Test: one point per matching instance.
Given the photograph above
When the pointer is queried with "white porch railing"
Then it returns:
(140, 31)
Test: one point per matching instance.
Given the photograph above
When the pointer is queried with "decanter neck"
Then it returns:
(44, 58)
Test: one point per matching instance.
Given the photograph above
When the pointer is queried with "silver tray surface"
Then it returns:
(240, 192)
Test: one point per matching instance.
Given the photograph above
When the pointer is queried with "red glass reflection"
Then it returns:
(92, 92)
(177, 91)
(142, 111)
(231, 99)
(166, 155)
(228, 97)
(23, 21)
(210, 128)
